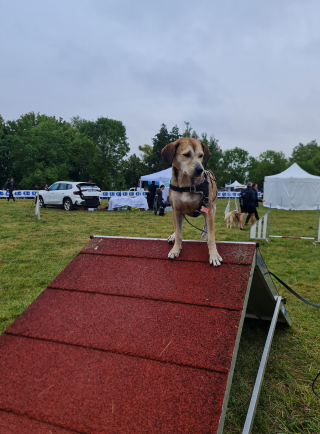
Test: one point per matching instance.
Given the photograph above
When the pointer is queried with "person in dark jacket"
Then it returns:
(151, 193)
(247, 200)
(255, 203)
(10, 187)
(159, 198)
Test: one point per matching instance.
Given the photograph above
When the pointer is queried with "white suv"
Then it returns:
(69, 195)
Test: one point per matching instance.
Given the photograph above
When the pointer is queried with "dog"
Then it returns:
(232, 217)
(187, 157)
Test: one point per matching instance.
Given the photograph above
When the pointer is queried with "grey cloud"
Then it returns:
(243, 71)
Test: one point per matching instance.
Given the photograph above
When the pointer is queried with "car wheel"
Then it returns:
(67, 204)
(41, 202)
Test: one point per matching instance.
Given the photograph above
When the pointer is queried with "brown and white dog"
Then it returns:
(186, 156)
(232, 217)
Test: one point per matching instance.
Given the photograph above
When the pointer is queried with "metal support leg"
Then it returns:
(257, 387)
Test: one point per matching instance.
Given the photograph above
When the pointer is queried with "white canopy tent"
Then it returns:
(164, 176)
(292, 189)
(235, 185)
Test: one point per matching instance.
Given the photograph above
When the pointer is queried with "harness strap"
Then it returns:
(194, 188)
(202, 187)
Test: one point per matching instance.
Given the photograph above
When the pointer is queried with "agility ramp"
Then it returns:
(125, 341)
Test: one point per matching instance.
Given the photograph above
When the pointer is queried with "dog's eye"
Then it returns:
(201, 156)
(187, 154)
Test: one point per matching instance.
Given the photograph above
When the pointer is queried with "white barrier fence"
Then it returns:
(37, 207)
(30, 194)
(260, 229)
(228, 206)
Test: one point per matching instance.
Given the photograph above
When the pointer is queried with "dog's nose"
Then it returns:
(198, 170)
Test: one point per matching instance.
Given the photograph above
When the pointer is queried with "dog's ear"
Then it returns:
(206, 153)
(168, 152)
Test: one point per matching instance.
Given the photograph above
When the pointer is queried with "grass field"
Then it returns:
(33, 252)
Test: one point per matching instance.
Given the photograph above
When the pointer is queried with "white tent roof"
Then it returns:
(293, 188)
(235, 184)
(293, 171)
(162, 176)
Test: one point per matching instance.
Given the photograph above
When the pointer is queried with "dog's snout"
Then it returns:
(198, 170)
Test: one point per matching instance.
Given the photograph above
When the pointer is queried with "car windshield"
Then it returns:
(54, 186)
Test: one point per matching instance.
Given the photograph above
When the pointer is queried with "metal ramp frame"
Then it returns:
(109, 347)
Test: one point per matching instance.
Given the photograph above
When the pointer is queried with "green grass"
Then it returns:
(33, 252)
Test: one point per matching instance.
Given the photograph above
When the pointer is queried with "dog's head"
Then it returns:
(187, 155)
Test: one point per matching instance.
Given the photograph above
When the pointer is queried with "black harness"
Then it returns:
(201, 188)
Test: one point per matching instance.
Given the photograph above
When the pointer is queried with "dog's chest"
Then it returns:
(185, 202)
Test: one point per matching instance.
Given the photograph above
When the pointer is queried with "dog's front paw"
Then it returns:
(174, 253)
(215, 259)
(171, 238)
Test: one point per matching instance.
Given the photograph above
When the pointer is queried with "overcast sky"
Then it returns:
(247, 72)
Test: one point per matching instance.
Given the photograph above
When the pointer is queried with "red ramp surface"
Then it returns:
(125, 341)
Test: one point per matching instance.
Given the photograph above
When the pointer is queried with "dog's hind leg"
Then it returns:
(204, 235)
(178, 222)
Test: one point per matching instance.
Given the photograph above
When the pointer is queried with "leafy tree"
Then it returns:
(134, 168)
(146, 151)
(268, 163)
(307, 156)
(188, 130)
(42, 150)
(233, 165)
(155, 161)
(110, 138)
(6, 160)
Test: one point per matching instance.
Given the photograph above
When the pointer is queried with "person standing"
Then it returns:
(256, 203)
(159, 197)
(152, 191)
(247, 198)
(10, 187)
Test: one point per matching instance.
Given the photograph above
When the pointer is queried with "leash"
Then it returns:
(313, 383)
(293, 292)
(311, 304)
(201, 230)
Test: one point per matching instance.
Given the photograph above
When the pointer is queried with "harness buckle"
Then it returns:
(193, 188)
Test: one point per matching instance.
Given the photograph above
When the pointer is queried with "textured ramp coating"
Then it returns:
(11, 423)
(190, 335)
(183, 282)
(125, 341)
(196, 251)
(98, 392)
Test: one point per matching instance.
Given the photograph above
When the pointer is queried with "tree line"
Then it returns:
(37, 149)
